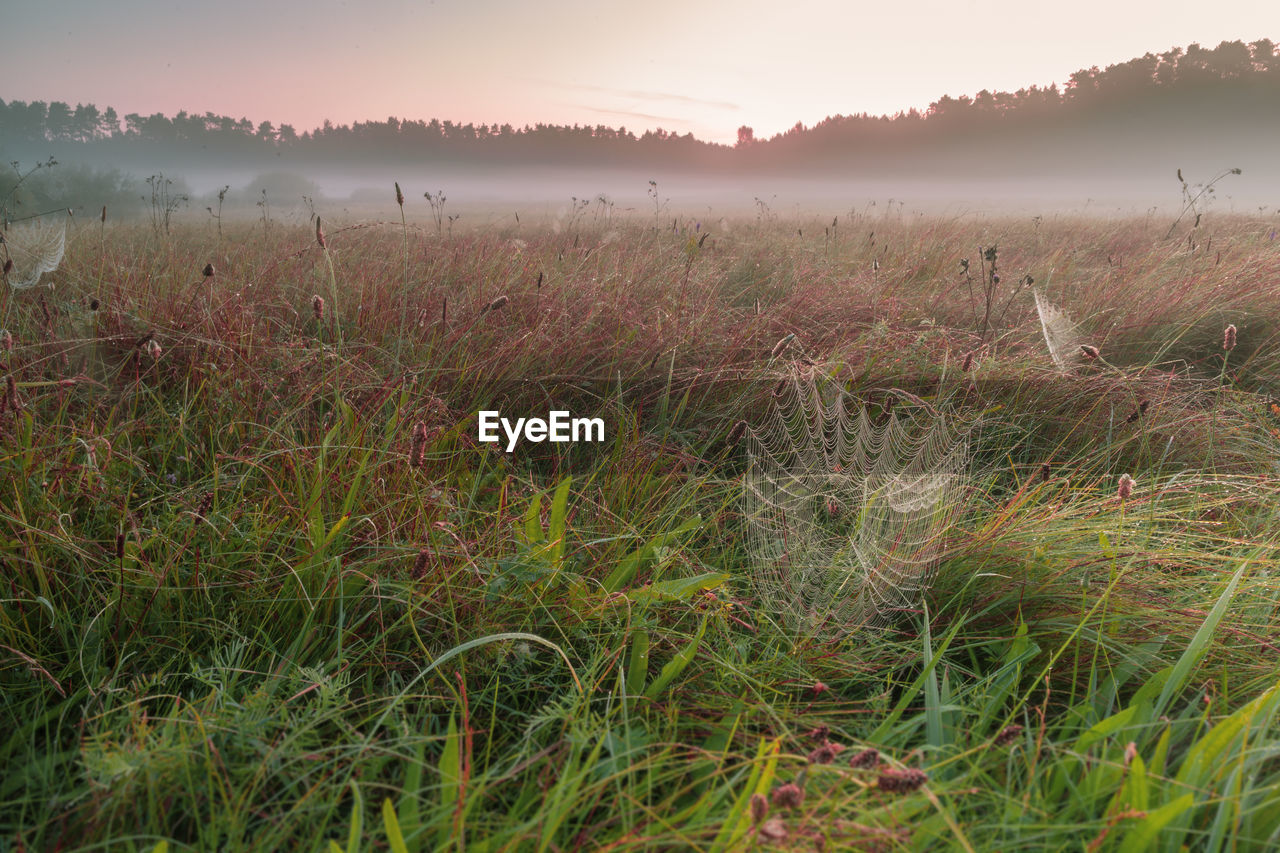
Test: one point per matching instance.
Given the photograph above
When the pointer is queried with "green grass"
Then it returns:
(234, 616)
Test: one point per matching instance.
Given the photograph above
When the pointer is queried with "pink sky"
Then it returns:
(705, 67)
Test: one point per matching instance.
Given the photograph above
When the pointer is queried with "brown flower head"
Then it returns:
(1229, 337)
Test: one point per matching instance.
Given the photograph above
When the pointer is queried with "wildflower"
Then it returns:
(895, 781)
(788, 796)
(154, 349)
(819, 688)
(865, 759)
(1229, 337)
(1125, 489)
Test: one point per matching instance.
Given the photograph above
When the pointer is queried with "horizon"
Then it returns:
(701, 71)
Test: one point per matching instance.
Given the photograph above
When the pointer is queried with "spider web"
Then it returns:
(847, 513)
(36, 250)
(1061, 335)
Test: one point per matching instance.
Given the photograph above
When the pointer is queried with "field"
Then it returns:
(263, 588)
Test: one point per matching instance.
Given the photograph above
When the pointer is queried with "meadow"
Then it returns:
(261, 587)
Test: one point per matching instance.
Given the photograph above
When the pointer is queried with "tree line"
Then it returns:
(1232, 80)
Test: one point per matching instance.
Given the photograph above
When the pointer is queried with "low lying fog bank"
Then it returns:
(474, 197)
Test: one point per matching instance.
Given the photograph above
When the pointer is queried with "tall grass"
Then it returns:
(235, 616)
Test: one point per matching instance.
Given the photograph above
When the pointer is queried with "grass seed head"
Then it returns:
(901, 781)
(1124, 491)
(317, 307)
(865, 759)
(399, 195)
(759, 808)
(208, 271)
(419, 445)
(788, 796)
(1089, 352)
(1007, 735)
(735, 434)
(421, 563)
(1229, 337)
(320, 235)
(6, 340)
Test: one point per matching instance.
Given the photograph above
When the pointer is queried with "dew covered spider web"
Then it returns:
(35, 250)
(847, 512)
(1061, 335)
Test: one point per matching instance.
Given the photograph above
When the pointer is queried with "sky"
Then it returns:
(704, 67)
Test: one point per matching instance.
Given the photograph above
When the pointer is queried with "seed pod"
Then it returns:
(208, 270)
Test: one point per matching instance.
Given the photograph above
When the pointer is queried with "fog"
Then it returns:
(476, 195)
